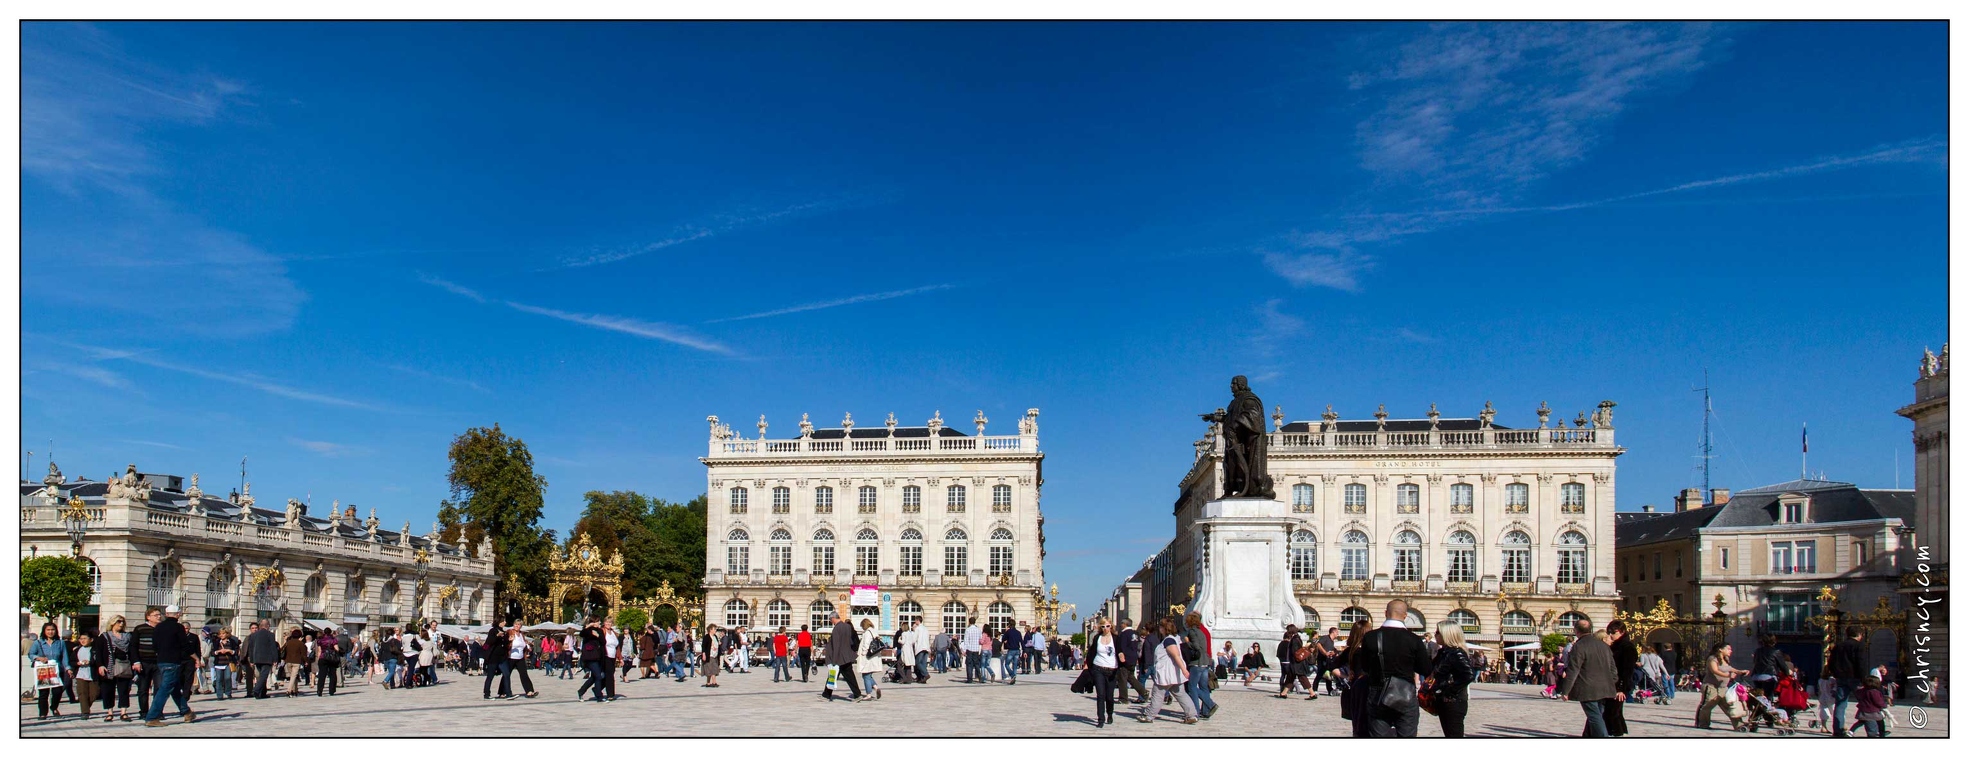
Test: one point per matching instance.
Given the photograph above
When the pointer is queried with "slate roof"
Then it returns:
(1395, 425)
(1631, 529)
(1830, 503)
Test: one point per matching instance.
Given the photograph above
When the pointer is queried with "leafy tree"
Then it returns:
(53, 586)
(1079, 639)
(678, 553)
(631, 619)
(495, 493)
(1552, 643)
(658, 540)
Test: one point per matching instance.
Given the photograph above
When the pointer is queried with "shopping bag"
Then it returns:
(833, 677)
(47, 676)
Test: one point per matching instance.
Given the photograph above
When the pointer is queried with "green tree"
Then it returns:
(495, 493)
(53, 586)
(631, 619)
(619, 522)
(1552, 643)
(1079, 639)
(677, 554)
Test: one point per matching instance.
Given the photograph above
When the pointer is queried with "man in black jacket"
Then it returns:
(494, 651)
(592, 648)
(177, 656)
(1392, 653)
(262, 653)
(841, 644)
(1847, 667)
(1128, 648)
(143, 643)
(1329, 660)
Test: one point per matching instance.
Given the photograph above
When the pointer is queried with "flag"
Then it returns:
(1804, 438)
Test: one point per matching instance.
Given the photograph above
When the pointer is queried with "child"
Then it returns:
(1873, 707)
(87, 672)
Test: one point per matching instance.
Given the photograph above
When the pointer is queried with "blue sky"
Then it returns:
(332, 247)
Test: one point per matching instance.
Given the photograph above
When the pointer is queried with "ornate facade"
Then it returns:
(1924, 578)
(946, 526)
(153, 540)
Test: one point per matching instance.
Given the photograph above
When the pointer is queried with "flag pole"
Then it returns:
(1804, 447)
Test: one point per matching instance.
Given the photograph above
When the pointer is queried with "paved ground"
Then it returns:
(752, 705)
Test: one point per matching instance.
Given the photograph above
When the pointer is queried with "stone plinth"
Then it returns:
(1245, 592)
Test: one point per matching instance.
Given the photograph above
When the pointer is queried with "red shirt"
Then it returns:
(779, 645)
(806, 639)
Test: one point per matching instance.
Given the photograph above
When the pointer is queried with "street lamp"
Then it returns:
(76, 518)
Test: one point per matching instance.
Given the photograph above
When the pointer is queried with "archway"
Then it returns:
(580, 602)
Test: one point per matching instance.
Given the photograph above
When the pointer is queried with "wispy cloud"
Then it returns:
(451, 287)
(1271, 342)
(244, 380)
(422, 374)
(645, 329)
(712, 227)
(89, 373)
(868, 298)
(328, 449)
(1339, 268)
(149, 443)
(1406, 334)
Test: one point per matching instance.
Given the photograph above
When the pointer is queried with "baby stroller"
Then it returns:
(1764, 712)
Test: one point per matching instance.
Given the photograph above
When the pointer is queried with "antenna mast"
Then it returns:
(1708, 449)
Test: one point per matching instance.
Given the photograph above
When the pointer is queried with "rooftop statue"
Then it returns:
(1244, 443)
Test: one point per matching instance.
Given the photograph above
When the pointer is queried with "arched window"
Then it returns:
(1001, 498)
(779, 555)
(1462, 498)
(908, 613)
(1356, 501)
(219, 587)
(1001, 552)
(1572, 558)
(1353, 556)
(956, 557)
(865, 500)
(1462, 556)
(954, 498)
(737, 614)
(955, 618)
(779, 614)
(823, 551)
(1569, 618)
(867, 553)
(352, 592)
(1408, 498)
(1302, 498)
(1408, 556)
(1517, 498)
(782, 500)
(390, 593)
(1517, 557)
(314, 595)
(738, 556)
(1464, 618)
(823, 499)
(1517, 622)
(823, 534)
(1305, 556)
(163, 583)
(820, 615)
(1312, 617)
(266, 596)
(955, 535)
(999, 616)
(1351, 615)
(1572, 497)
(912, 499)
(1415, 622)
(911, 552)
(738, 500)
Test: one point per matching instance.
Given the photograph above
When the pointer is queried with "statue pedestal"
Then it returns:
(1245, 594)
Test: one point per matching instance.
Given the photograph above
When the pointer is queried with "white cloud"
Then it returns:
(645, 329)
(244, 380)
(1339, 269)
(467, 383)
(93, 374)
(328, 449)
(451, 287)
(717, 225)
(868, 298)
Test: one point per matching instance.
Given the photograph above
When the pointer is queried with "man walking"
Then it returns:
(973, 661)
(1847, 667)
(779, 656)
(805, 640)
(1590, 678)
(1392, 655)
(1328, 653)
(941, 654)
(494, 650)
(176, 649)
(294, 660)
(920, 642)
(1014, 646)
(1128, 649)
(262, 654)
(841, 655)
(592, 648)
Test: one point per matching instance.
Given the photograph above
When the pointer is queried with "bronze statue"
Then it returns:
(1244, 443)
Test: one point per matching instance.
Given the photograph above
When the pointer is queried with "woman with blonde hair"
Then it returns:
(119, 660)
(1450, 675)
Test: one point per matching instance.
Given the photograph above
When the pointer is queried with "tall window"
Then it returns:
(1467, 619)
(1351, 615)
(1517, 622)
(352, 591)
(865, 500)
(1572, 497)
(738, 500)
(163, 583)
(820, 615)
(1572, 558)
(1356, 498)
(1780, 557)
(738, 556)
(1657, 565)
(1408, 498)
(737, 613)
(1302, 498)
(954, 498)
(1305, 556)
(867, 560)
(1724, 557)
(823, 551)
(1001, 560)
(908, 613)
(314, 594)
(779, 613)
(1517, 498)
(782, 500)
(912, 552)
(956, 557)
(999, 616)
(1462, 556)
(1859, 555)
(1790, 612)
(955, 618)
(1408, 556)
(390, 593)
(1353, 555)
(779, 554)
(1462, 498)
(823, 499)
(1794, 557)
(218, 587)
(912, 499)
(1001, 498)
(1517, 557)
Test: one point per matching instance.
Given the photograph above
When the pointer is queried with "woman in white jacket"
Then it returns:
(905, 655)
(869, 660)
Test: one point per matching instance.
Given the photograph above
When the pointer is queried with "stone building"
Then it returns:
(946, 527)
(152, 540)
(1505, 530)
(1924, 580)
(1767, 553)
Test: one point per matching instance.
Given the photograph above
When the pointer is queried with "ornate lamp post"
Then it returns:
(76, 518)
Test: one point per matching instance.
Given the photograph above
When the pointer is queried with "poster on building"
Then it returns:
(864, 595)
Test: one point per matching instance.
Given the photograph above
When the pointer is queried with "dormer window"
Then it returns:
(1792, 511)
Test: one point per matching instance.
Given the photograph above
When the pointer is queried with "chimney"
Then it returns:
(1690, 498)
(1719, 496)
(1647, 509)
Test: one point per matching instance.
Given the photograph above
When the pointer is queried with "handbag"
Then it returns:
(1396, 694)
